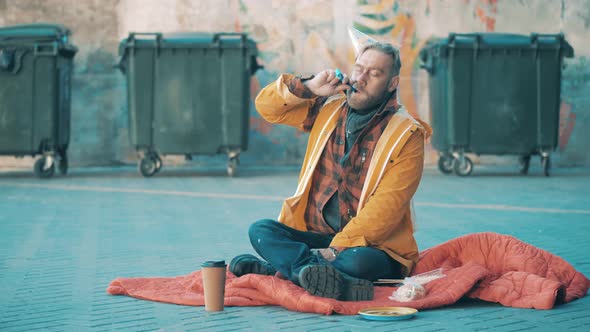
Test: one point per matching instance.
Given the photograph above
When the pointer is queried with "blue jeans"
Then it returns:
(288, 250)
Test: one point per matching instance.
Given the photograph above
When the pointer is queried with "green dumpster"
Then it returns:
(493, 93)
(36, 63)
(188, 94)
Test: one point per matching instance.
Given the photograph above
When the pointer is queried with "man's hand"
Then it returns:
(331, 253)
(325, 83)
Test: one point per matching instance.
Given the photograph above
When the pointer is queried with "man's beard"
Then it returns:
(362, 102)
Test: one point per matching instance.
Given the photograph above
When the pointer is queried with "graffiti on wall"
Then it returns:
(567, 120)
(486, 11)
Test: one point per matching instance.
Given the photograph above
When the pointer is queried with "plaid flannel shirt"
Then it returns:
(330, 175)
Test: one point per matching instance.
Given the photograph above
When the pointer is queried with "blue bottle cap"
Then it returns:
(214, 264)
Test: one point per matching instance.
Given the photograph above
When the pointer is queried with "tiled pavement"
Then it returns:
(63, 240)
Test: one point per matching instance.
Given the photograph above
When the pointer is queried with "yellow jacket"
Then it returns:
(384, 219)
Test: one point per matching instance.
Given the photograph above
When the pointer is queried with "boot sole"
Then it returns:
(327, 281)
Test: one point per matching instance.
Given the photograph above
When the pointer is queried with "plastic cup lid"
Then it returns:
(220, 263)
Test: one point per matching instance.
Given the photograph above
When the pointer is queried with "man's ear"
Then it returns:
(393, 82)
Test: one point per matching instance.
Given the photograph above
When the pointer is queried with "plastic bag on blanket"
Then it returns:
(413, 289)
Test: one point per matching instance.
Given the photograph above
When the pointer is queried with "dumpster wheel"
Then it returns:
(63, 163)
(525, 162)
(158, 161)
(42, 170)
(232, 166)
(463, 166)
(148, 166)
(445, 163)
(546, 163)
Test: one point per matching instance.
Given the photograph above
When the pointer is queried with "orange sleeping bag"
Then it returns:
(486, 266)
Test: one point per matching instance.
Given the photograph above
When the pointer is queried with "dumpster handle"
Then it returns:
(454, 35)
(119, 64)
(477, 46)
(564, 45)
(535, 44)
(426, 61)
(18, 62)
(132, 35)
(535, 36)
(254, 65)
(230, 34)
(476, 36)
(131, 39)
(37, 49)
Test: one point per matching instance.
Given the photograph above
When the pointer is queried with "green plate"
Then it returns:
(387, 313)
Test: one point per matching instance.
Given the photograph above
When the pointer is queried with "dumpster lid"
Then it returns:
(490, 39)
(187, 40)
(207, 39)
(35, 31)
(190, 37)
(502, 40)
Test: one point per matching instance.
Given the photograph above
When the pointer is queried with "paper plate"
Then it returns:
(388, 313)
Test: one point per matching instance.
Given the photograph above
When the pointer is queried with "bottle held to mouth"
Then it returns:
(340, 76)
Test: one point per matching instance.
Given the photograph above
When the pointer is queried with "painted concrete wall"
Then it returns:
(302, 36)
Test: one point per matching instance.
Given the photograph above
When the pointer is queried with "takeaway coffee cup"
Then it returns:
(213, 284)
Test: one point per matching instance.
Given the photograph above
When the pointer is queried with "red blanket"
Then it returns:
(486, 266)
